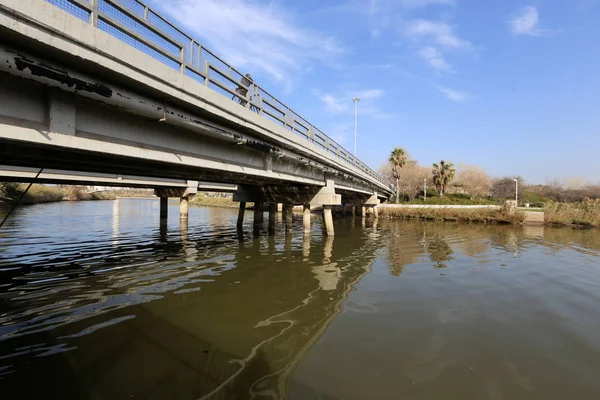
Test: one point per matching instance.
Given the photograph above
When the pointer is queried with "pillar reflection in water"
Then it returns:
(306, 248)
(328, 275)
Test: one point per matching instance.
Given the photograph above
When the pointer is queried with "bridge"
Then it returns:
(108, 92)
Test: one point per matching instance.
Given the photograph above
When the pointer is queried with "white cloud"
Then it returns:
(370, 94)
(425, 3)
(454, 95)
(435, 59)
(440, 33)
(526, 23)
(253, 36)
(342, 103)
(342, 133)
(333, 104)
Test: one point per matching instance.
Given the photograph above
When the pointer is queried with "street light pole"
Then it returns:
(516, 191)
(356, 100)
(424, 190)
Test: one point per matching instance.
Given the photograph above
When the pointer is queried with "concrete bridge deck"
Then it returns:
(110, 87)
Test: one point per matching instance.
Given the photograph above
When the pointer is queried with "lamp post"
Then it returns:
(356, 100)
(424, 190)
(516, 191)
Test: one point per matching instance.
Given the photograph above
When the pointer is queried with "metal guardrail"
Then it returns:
(140, 26)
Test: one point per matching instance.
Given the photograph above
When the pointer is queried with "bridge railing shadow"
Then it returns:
(138, 25)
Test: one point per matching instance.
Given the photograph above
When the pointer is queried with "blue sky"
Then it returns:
(511, 86)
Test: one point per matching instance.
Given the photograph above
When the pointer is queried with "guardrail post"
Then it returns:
(94, 12)
(206, 69)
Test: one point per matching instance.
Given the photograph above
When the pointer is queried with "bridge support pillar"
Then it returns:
(363, 210)
(287, 213)
(258, 216)
(328, 219)
(372, 203)
(306, 219)
(164, 208)
(240, 219)
(184, 207)
(272, 214)
(353, 210)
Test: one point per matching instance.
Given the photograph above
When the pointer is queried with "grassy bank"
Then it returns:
(134, 193)
(210, 201)
(584, 215)
(11, 192)
(476, 215)
(454, 199)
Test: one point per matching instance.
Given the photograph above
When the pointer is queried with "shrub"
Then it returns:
(40, 194)
(583, 214)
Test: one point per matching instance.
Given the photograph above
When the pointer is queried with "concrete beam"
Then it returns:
(276, 193)
(327, 196)
(61, 113)
(373, 200)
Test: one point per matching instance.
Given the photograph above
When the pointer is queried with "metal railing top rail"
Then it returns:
(140, 26)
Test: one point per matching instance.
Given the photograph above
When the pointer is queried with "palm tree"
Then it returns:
(443, 174)
(398, 160)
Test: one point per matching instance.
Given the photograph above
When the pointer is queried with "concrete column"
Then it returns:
(162, 230)
(287, 212)
(375, 212)
(328, 218)
(258, 216)
(184, 206)
(306, 219)
(241, 212)
(164, 208)
(259, 210)
(272, 213)
(363, 210)
(353, 210)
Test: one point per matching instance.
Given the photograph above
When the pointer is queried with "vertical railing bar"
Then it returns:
(199, 63)
(206, 71)
(94, 13)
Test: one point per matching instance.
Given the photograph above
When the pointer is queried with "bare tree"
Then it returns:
(473, 180)
(504, 188)
(411, 179)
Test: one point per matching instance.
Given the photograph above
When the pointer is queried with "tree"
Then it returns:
(443, 175)
(473, 180)
(504, 188)
(398, 159)
(411, 179)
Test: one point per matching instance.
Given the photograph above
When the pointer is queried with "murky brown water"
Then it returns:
(99, 302)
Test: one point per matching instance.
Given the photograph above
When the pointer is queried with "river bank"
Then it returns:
(581, 215)
(209, 201)
(470, 214)
(10, 193)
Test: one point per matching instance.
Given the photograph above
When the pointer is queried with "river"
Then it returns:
(98, 301)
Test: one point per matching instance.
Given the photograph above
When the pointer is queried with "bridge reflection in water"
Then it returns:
(176, 312)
